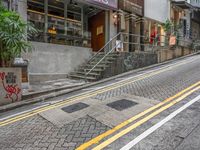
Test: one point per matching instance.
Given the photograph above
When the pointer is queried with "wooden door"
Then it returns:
(97, 29)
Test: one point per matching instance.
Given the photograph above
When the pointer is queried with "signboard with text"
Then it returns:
(105, 3)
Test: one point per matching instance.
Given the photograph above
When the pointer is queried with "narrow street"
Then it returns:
(153, 109)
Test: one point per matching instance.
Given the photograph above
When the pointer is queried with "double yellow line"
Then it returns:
(83, 96)
(155, 110)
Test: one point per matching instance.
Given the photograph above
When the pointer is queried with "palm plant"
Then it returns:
(13, 36)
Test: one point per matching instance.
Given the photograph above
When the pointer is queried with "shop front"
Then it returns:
(154, 32)
(154, 20)
(69, 22)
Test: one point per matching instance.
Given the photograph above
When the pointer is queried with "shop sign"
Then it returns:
(105, 3)
(51, 31)
(172, 40)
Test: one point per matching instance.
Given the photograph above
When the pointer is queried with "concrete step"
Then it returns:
(111, 55)
(82, 77)
(110, 58)
(105, 59)
(94, 70)
(98, 66)
(103, 62)
(90, 74)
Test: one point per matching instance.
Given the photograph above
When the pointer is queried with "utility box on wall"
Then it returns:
(10, 85)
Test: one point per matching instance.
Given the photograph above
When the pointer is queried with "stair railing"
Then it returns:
(104, 47)
(103, 58)
(155, 44)
(113, 48)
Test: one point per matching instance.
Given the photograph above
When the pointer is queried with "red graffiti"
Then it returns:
(12, 90)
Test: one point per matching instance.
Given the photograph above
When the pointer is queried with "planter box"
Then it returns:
(10, 85)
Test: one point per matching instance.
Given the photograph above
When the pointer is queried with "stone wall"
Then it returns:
(164, 55)
(127, 61)
(10, 85)
(52, 61)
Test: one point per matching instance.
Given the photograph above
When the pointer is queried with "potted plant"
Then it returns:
(13, 41)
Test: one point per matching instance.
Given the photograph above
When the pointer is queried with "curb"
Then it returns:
(62, 91)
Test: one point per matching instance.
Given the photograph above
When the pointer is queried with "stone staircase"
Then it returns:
(85, 72)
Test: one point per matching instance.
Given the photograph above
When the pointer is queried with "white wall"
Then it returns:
(158, 10)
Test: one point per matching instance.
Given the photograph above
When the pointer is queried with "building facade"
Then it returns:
(70, 22)
(69, 31)
(156, 12)
(187, 14)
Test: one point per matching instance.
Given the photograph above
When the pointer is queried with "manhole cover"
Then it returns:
(75, 107)
(122, 104)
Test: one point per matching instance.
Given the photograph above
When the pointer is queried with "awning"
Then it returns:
(182, 4)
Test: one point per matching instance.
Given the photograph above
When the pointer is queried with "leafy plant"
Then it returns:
(13, 36)
(167, 26)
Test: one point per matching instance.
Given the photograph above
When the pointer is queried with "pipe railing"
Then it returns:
(102, 59)
(104, 47)
(156, 42)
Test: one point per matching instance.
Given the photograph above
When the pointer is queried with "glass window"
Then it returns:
(57, 27)
(74, 26)
(36, 16)
(56, 18)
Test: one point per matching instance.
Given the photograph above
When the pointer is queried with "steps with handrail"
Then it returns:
(94, 68)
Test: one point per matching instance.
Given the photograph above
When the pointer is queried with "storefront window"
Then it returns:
(36, 16)
(62, 22)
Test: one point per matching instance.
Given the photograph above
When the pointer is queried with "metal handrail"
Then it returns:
(112, 50)
(104, 47)
(102, 59)
(135, 35)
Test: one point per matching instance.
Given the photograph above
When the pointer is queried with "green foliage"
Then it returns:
(167, 26)
(13, 36)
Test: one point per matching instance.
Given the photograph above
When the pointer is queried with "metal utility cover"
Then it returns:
(122, 104)
(75, 107)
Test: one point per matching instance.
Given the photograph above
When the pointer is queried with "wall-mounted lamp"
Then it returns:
(115, 18)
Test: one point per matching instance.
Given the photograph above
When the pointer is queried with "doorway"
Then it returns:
(97, 29)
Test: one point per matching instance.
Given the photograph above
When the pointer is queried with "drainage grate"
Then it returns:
(75, 107)
(122, 104)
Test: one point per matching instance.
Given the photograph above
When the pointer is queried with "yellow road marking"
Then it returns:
(83, 96)
(123, 124)
(128, 129)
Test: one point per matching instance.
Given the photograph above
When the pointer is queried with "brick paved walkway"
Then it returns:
(36, 133)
